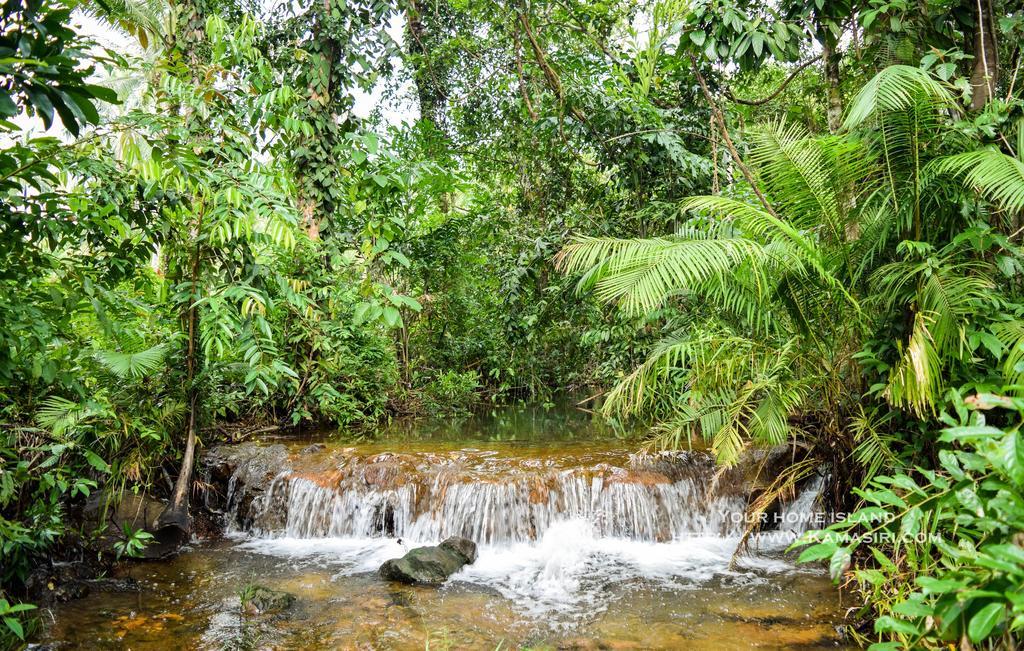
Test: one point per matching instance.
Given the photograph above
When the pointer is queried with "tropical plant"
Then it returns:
(9, 613)
(134, 541)
(942, 553)
(837, 251)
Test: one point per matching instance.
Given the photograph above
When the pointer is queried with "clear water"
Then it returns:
(575, 582)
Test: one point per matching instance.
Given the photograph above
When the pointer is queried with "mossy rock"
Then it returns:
(258, 599)
(430, 565)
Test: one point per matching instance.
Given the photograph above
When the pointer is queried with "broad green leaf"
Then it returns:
(817, 552)
(840, 561)
(887, 624)
(911, 608)
(15, 626)
(932, 585)
(911, 524)
(985, 620)
(96, 462)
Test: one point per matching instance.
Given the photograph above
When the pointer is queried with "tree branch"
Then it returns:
(716, 113)
(785, 83)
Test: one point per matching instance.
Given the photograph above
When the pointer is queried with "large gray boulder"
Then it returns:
(240, 474)
(107, 515)
(431, 565)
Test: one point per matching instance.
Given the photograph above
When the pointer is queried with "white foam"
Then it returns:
(575, 547)
(570, 570)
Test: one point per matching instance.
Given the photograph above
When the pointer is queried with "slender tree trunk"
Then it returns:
(830, 69)
(429, 78)
(174, 522)
(174, 525)
(985, 73)
(723, 129)
(523, 90)
(430, 87)
(320, 100)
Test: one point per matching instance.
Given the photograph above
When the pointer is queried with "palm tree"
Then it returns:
(863, 242)
(148, 21)
(151, 24)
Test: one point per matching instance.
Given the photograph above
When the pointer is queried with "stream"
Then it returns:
(584, 543)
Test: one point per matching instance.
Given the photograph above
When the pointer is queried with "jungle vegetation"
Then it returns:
(746, 223)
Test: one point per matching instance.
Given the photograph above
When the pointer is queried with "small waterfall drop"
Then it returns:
(559, 532)
(490, 500)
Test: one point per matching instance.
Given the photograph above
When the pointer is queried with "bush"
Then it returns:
(451, 391)
(940, 554)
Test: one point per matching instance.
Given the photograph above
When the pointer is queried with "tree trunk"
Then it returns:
(430, 80)
(320, 96)
(430, 89)
(985, 73)
(830, 70)
(174, 524)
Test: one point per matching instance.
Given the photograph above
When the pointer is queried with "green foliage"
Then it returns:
(9, 613)
(451, 391)
(839, 238)
(42, 66)
(238, 241)
(135, 540)
(134, 365)
(941, 552)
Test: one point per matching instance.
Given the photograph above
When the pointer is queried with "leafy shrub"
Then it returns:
(11, 615)
(940, 553)
(451, 391)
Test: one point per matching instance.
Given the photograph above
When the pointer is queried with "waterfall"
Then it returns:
(560, 531)
(645, 497)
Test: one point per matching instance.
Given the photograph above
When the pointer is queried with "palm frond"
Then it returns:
(60, 415)
(916, 380)
(640, 275)
(142, 19)
(1011, 336)
(997, 177)
(949, 292)
(133, 365)
(953, 297)
(875, 447)
(897, 88)
(736, 391)
(782, 487)
(810, 179)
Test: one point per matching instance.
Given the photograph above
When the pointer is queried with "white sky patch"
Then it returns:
(401, 109)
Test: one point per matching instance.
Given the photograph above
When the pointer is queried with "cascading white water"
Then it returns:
(552, 534)
(436, 502)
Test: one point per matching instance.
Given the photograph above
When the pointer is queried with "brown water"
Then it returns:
(575, 582)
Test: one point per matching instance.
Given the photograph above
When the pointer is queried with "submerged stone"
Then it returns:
(258, 599)
(431, 565)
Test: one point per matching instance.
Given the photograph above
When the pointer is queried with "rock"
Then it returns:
(108, 515)
(125, 584)
(241, 473)
(464, 547)
(431, 565)
(314, 448)
(258, 599)
(252, 464)
(57, 583)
